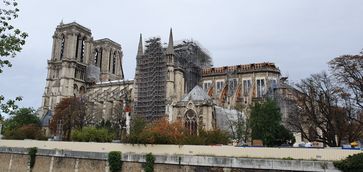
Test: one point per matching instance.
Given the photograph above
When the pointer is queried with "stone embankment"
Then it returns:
(76, 156)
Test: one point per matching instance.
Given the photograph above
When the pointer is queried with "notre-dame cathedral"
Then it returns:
(176, 81)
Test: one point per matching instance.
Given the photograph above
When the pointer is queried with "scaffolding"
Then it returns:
(151, 81)
(191, 58)
(151, 73)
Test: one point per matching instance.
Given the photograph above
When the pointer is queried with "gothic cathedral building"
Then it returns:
(176, 82)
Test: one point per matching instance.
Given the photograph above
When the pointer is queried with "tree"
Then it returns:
(138, 124)
(322, 111)
(23, 125)
(265, 122)
(241, 128)
(69, 114)
(353, 163)
(348, 69)
(118, 120)
(11, 42)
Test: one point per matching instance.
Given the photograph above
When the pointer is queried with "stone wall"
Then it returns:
(16, 159)
(329, 154)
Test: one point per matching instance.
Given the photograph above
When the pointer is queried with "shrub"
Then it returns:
(92, 134)
(28, 131)
(32, 153)
(194, 140)
(23, 125)
(114, 161)
(353, 163)
(215, 137)
(149, 165)
(163, 132)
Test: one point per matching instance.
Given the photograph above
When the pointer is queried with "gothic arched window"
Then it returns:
(95, 60)
(77, 46)
(109, 61)
(62, 47)
(191, 122)
(114, 63)
(82, 50)
(100, 57)
(75, 89)
(82, 90)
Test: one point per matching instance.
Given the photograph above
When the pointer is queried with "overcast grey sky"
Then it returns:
(299, 36)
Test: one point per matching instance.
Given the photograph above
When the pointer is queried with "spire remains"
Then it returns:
(170, 49)
(140, 49)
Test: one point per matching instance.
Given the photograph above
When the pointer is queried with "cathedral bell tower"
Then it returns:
(67, 66)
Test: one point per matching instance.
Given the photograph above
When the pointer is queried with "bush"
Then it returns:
(28, 131)
(137, 126)
(114, 161)
(23, 125)
(32, 153)
(353, 163)
(163, 132)
(207, 138)
(215, 137)
(194, 140)
(149, 165)
(92, 134)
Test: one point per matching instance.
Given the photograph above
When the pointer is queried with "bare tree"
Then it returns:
(118, 119)
(322, 112)
(316, 100)
(348, 69)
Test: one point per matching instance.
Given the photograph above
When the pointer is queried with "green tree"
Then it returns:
(149, 165)
(23, 125)
(114, 161)
(11, 42)
(265, 122)
(92, 134)
(138, 124)
(353, 163)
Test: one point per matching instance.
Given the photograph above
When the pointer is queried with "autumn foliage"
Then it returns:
(163, 132)
(69, 114)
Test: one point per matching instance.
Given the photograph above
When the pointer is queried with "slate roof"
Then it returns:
(46, 119)
(197, 93)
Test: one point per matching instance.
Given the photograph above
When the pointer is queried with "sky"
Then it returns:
(299, 36)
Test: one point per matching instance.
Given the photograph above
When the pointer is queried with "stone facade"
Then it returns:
(168, 87)
(195, 111)
(230, 85)
(83, 67)
(74, 52)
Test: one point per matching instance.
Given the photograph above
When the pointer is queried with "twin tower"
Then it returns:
(78, 61)
(79, 65)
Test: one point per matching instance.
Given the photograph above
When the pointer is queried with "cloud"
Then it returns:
(299, 36)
